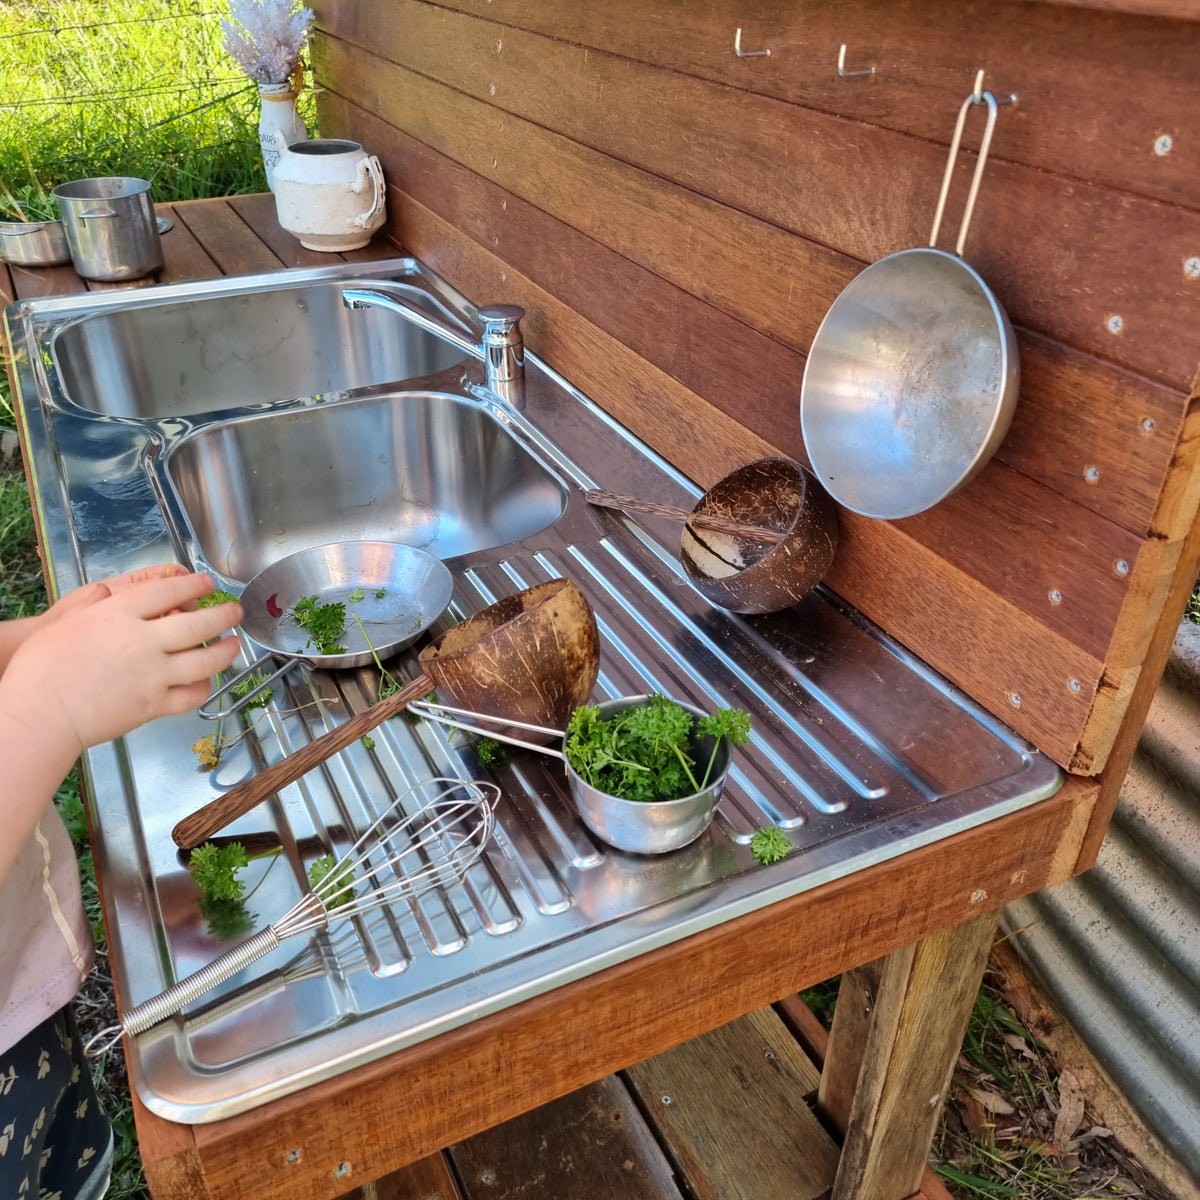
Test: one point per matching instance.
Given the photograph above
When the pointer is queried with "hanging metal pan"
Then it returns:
(912, 378)
(404, 590)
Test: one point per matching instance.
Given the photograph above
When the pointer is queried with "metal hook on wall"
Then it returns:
(977, 92)
(737, 48)
(841, 66)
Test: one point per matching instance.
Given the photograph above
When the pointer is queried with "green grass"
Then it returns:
(21, 591)
(136, 87)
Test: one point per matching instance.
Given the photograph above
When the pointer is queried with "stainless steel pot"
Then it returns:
(110, 227)
(34, 243)
(912, 378)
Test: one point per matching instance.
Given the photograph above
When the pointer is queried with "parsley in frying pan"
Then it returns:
(324, 624)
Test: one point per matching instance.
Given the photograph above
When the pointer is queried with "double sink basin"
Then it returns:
(229, 423)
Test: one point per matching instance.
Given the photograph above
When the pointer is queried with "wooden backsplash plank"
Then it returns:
(1051, 558)
(702, 249)
(1065, 258)
(988, 647)
(1060, 64)
(1096, 433)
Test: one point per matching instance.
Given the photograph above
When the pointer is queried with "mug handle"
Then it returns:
(368, 166)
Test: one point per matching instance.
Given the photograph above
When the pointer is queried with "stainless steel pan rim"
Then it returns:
(405, 590)
(913, 375)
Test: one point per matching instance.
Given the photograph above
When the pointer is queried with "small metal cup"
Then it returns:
(110, 226)
(651, 826)
(638, 826)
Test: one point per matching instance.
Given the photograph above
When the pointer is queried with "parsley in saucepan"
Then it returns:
(649, 752)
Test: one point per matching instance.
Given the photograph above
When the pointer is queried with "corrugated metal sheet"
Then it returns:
(1117, 950)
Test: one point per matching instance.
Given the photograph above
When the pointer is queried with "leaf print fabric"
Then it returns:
(55, 1140)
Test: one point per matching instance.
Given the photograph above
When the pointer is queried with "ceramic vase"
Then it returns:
(277, 116)
(329, 193)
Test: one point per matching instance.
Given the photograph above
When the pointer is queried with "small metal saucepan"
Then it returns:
(403, 591)
(638, 826)
(912, 378)
(34, 243)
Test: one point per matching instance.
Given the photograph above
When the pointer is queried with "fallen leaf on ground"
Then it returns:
(1070, 1108)
(992, 1102)
(1014, 1041)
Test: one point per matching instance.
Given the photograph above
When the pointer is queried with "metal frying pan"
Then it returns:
(912, 378)
(404, 590)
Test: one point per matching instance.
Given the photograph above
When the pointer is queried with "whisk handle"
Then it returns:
(158, 1008)
(202, 824)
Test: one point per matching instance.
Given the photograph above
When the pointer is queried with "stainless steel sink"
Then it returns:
(426, 468)
(234, 349)
(140, 453)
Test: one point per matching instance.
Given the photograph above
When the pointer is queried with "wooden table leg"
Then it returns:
(897, 1032)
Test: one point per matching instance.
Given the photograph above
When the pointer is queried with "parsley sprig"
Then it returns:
(769, 845)
(649, 752)
(324, 623)
(223, 901)
(334, 889)
(215, 597)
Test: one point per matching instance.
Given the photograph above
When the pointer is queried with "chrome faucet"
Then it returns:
(501, 349)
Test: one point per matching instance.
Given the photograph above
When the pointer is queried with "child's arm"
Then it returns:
(107, 662)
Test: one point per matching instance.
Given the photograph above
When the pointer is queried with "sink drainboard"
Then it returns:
(549, 903)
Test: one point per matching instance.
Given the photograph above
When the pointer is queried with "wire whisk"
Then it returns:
(398, 856)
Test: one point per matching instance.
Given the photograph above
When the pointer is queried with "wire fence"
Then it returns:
(56, 29)
(123, 87)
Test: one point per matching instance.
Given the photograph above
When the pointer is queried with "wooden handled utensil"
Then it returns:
(218, 813)
(652, 508)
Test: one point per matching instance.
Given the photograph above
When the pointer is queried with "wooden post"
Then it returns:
(897, 1032)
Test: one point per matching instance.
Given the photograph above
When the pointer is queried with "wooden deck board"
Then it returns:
(591, 1142)
(731, 1107)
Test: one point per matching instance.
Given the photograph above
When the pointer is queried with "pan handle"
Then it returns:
(973, 99)
(437, 712)
(215, 714)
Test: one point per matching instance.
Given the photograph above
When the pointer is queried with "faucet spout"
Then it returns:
(501, 349)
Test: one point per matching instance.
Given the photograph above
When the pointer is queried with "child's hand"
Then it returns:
(88, 593)
(118, 654)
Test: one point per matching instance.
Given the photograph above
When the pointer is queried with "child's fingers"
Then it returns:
(156, 597)
(74, 601)
(164, 570)
(200, 664)
(185, 697)
(186, 629)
